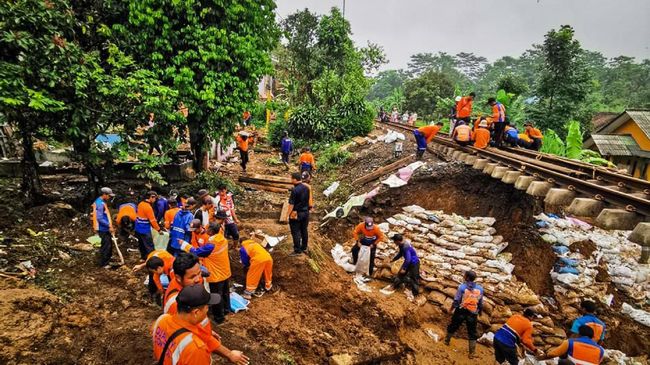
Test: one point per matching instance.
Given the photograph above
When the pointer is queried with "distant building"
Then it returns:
(624, 140)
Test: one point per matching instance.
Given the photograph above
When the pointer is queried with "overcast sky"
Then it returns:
(490, 28)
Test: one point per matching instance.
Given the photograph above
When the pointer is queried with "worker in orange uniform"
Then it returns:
(159, 262)
(257, 261)
(462, 134)
(580, 351)
(366, 233)
(102, 225)
(126, 215)
(481, 137)
(144, 222)
(498, 120)
(246, 118)
(535, 135)
(589, 318)
(307, 161)
(424, 135)
(171, 213)
(517, 329)
(199, 234)
(218, 264)
(466, 307)
(242, 146)
(178, 339)
(464, 108)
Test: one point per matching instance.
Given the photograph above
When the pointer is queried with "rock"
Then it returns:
(82, 247)
(341, 359)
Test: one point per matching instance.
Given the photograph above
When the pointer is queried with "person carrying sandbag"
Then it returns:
(366, 234)
(409, 273)
(466, 307)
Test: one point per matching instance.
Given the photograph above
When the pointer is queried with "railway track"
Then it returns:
(609, 189)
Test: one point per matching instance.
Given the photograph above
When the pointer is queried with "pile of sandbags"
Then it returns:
(613, 254)
(449, 245)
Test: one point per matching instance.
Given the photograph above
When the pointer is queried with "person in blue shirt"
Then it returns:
(589, 319)
(511, 135)
(160, 207)
(409, 273)
(466, 307)
(286, 147)
(102, 225)
(181, 233)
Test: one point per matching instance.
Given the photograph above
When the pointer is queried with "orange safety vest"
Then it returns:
(464, 107)
(168, 261)
(463, 133)
(534, 133)
(584, 351)
(256, 252)
(242, 144)
(186, 349)
(482, 138)
(429, 131)
(126, 210)
(470, 299)
(218, 263)
(169, 217)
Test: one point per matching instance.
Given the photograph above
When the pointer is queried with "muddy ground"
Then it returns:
(72, 312)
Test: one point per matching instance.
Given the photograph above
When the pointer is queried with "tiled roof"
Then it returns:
(618, 145)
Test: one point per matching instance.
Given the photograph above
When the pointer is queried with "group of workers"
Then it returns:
(493, 130)
(584, 348)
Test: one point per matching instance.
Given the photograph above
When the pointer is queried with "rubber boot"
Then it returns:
(448, 339)
(419, 154)
(472, 349)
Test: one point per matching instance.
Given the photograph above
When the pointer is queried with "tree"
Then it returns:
(513, 84)
(564, 82)
(299, 57)
(37, 54)
(423, 92)
(212, 53)
(386, 83)
(471, 65)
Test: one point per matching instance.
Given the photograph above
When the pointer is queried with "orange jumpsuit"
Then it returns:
(259, 262)
(464, 107)
(481, 138)
(429, 131)
(126, 210)
(218, 263)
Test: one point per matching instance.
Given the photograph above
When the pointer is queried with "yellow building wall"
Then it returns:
(631, 128)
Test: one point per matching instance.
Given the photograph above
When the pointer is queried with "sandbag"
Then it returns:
(363, 261)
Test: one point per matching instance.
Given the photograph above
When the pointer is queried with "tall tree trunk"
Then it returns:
(96, 178)
(197, 142)
(31, 185)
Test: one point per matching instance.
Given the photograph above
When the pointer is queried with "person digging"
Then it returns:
(409, 273)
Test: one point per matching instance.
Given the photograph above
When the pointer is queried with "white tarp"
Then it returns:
(331, 189)
(394, 182)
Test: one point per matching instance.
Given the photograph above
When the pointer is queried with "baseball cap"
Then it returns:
(369, 222)
(108, 191)
(195, 296)
(201, 193)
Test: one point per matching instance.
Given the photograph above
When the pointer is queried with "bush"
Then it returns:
(346, 120)
(211, 181)
(332, 157)
(276, 132)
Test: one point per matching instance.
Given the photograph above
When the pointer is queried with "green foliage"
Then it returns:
(512, 84)
(341, 122)
(148, 168)
(276, 131)
(212, 53)
(422, 93)
(333, 157)
(573, 140)
(386, 83)
(553, 144)
(564, 82)
(211, 181)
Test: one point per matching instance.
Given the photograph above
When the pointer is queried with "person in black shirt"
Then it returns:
(299, 206)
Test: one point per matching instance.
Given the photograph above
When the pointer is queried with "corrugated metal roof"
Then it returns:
(618, 145)
(642, 119)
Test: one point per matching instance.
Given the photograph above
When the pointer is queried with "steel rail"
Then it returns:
(533, 167)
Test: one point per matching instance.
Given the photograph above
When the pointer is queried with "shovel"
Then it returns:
(118, 250)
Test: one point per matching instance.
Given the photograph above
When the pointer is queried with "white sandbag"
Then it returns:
(461, 234)
(470, 250)
(566, 279)
(363, 261)
(480, 238)
(342, 258)
(456, 254)
(488, 221)
(549, 238)
(461, 268)
(384, 227)
(331, 189)
(503, 266)
(458, 227)
(623, 280)
(638, 315)
(497, 240)
(621, 271)
(394, 182)
(486, 339)
(413, 209)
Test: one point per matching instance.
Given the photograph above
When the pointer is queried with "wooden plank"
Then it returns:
(277, 179)
(265, 188)
(284, 213)
(250, 180)
(383, 171)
